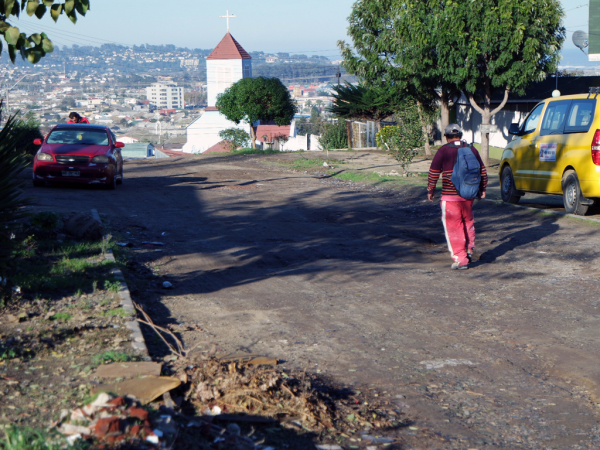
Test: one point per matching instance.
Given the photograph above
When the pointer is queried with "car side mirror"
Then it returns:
(514, 128)
(37, 142)
(119, 145)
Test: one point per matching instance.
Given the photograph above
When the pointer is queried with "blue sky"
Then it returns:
(309, 27)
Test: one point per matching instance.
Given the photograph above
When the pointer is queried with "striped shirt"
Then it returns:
(443, 164)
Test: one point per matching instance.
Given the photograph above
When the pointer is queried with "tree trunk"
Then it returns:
(445, 113)
(424, 129)
(253, 136)
(486, 116)
(349, 132)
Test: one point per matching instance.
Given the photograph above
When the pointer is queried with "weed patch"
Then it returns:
(110, 357)
(29, 439)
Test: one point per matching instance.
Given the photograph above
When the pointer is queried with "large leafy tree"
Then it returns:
(35, 46)
(436, 48)
(363, 102)
(252, 99)
(497, 45)
(386, 56)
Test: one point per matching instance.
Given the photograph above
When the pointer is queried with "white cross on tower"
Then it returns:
(227, 16)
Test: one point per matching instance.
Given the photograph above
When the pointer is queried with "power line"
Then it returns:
(577, 7)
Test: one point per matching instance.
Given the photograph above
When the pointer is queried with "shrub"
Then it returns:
(335, 135)
(235, 138)
(404, 139)
(12, 201)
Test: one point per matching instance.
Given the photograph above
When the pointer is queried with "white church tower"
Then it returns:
(227, 63)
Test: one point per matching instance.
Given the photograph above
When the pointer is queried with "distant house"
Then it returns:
(127, 139)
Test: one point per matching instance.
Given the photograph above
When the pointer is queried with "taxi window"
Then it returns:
(554, 118)
(580, 116)
(533, 119)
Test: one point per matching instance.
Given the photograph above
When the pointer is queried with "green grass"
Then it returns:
(112, 286)
(116, 312)
(48, 266)
(110, 356)
(372, 177)
(62, 317)
(29, 439)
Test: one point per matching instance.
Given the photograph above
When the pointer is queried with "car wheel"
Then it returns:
(573, 199)
(38, 183)
(507, 186)
(120, 179)
(112, 183)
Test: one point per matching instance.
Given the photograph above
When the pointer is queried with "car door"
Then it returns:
(524, 150)
(549, 147)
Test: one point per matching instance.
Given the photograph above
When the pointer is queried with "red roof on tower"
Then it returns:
(229, 48)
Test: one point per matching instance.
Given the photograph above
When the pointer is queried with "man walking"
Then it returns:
(457, 212)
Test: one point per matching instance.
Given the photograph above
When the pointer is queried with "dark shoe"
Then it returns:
(455, 266)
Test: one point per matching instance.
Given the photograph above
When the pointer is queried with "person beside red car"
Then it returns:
(76, 118)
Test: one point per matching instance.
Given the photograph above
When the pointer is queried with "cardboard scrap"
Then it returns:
(144, 389)
(129, 370)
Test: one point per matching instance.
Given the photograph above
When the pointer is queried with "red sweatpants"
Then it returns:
(459, 226)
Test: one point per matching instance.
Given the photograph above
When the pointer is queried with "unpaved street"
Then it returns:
(355, 283)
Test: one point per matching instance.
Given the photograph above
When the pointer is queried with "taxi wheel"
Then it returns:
(120, 179)
(507, 186)
(573, 199)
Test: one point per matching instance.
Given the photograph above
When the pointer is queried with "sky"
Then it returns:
(309, 27)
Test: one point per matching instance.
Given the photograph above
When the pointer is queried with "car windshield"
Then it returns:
(81, 137)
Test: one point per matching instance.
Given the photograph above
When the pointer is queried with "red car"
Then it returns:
(85, 154)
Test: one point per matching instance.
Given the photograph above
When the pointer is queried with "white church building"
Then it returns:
(227, 64)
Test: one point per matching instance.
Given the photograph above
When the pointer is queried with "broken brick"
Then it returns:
(135, 430)
(138, 413)
(106, 426)
(119, 401)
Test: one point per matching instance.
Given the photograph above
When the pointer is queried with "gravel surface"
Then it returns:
(354, 282)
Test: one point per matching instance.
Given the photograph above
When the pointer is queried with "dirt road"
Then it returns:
(355, 283)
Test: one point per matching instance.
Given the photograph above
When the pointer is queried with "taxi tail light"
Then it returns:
(596, 148)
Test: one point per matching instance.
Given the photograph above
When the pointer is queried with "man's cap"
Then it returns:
(452, 129)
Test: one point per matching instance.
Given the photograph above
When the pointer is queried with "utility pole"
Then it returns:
(338, 75)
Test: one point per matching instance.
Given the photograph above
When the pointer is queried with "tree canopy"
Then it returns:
(37, 45)
(424, 46)
(252, 99)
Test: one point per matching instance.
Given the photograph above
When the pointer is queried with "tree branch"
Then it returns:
(474, 104)
(504, 100)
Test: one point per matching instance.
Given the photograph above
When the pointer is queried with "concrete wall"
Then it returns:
(204, 132)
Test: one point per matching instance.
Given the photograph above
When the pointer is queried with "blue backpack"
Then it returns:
(466, 175)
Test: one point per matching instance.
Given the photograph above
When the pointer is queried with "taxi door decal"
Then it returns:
(548, 151)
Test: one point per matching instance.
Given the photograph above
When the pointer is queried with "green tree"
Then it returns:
(235, 138)
(37, 45)
(384, 57)
(433, 49)
(363, 103)
(500, 45)
(404, 139)
(253, 99)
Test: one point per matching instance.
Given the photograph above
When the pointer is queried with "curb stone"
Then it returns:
(138, 342)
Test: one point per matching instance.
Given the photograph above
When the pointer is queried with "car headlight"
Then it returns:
(103, 159)
(44, 157)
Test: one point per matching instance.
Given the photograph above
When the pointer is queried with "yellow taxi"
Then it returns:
(556, 151)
